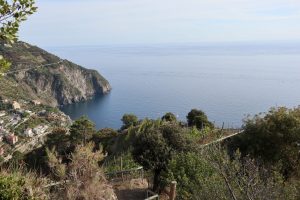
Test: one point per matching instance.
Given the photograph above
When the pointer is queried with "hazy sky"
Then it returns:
(86, 22)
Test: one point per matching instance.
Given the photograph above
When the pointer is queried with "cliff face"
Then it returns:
(37, 74)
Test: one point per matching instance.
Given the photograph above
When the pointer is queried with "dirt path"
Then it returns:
(134, 189)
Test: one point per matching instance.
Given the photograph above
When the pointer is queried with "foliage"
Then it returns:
(20, 185)
(82, 130)
(177, 138)
(199, 119)
(152, 152)
(129, 120)
(154, 147)
(11, 187)
(4, 65)
(85, 178)
(169, 117)
(191, 172)
(105, 137)
(212, 174)
(12, 13)
(273, 137)
(247, 178)
(113, 164)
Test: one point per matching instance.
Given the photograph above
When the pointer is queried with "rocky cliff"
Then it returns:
(37, 74)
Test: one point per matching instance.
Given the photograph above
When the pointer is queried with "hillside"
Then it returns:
(37, 74)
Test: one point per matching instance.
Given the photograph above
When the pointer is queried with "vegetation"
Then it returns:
(129, 120)
(12, 13)
(82, 130)
(274, 138)
(199, 119)
(242, 167)
(22, 185)
(85, 178)
(169, 117)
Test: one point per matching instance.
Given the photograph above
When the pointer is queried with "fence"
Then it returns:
(151, 195)
(126, 174)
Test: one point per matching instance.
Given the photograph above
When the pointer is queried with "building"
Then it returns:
(2, 113)
(12, 139)
(1, 138)
(28, 132)
(2, 130)
(1, 151)
(16, 105)
(40, 129)
(36, 102)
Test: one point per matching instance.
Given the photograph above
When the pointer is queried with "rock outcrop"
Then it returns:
(37, 74)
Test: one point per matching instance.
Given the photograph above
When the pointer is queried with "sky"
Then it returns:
(121, 22)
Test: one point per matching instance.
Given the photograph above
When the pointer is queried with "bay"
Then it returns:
(227, 81)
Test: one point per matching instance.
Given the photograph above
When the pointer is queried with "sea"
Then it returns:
(229, 82)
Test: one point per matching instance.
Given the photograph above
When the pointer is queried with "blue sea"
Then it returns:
(227, 81)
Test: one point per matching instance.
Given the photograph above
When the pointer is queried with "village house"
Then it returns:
(2, 113)
(28, 111)
(42, 113)
(40, 129)
(15, 119)
(12, 139)
(36, 102)
(1, 151)
(28, 132)
(2, 130)
(16, 105)
(1, 138)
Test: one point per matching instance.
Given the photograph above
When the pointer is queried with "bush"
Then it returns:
(129, 120)
(273, 137)
(169, 117)
(199, 119)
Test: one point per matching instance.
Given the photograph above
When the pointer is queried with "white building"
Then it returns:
(2, 130)
(1, 151)
(36, 102)
(2, 113)
(16, 105)
(40, 129)
(28, 132)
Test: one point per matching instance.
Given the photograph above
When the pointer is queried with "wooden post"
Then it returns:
(122, 169)
(172, 194)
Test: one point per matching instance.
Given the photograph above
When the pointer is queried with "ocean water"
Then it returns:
(227, 81)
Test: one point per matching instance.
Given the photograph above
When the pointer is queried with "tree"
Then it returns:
(153, 153)
(155, 146)
(192, 174)
(12, 13)
(199, 119)
(104, 137)
(129, 120)
(169, 117)
(178, 138)
(273, 137)
(82, 130)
